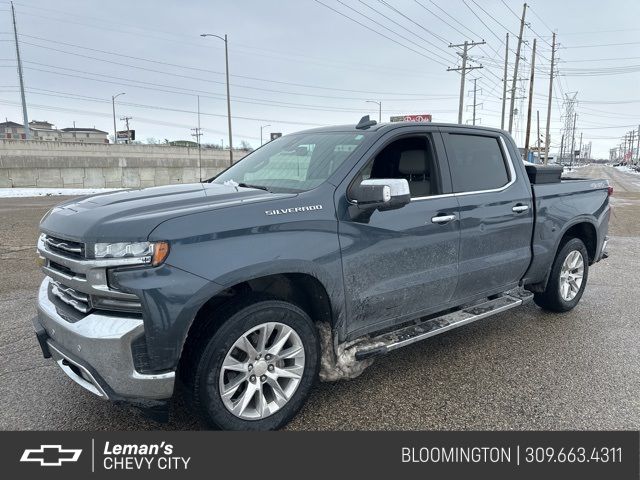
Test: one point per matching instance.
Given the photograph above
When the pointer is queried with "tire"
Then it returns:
(206, 380)
(556, 297)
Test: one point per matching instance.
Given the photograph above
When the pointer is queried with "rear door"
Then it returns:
(496, 214)
(398, 263)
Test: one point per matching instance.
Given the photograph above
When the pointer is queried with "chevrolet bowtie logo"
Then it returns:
(50, 455)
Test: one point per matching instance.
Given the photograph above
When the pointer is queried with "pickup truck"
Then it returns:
(307, 258)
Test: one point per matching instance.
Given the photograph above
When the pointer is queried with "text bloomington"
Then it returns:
(456, 455)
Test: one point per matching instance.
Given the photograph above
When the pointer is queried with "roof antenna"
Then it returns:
(365, 122)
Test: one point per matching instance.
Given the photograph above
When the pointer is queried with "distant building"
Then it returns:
(12, 131)
(45, 131)
(84, 135)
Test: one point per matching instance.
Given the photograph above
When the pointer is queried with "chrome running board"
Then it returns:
(386, 342)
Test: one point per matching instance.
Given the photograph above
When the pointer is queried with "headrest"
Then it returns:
(412, 162)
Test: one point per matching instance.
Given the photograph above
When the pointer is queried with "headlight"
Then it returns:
(153, 253)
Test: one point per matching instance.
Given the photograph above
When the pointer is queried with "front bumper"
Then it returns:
(95, 352)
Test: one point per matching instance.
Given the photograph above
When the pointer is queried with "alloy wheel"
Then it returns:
(262, 371)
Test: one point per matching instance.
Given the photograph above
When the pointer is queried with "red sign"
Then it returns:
(425, 117)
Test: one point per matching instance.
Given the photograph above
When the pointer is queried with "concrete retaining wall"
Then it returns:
(77, 165)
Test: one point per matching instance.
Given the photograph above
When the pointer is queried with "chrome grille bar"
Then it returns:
(72, 247)
(70, 297)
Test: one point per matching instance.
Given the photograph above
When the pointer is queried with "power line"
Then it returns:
(606, 59)
(207, 71)
(539, 18)
(257, 102)
(305, 58)
(473, 34)
(180, 90)
(377, 32)
(492, 17)
(439, 37)
(595, 45)
(390, 30)
(106, 115)
(290, 122)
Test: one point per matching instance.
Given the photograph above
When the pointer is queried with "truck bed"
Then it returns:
(558, 206)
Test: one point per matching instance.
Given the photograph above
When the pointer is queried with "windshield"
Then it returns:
(294, 163)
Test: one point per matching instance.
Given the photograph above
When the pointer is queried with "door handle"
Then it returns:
(443, 218)
(520, 208)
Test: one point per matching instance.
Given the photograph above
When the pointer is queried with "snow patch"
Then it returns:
(47, 192)
(340, 364)
(627, 169)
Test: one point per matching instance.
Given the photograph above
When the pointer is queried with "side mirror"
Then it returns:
(382, 194)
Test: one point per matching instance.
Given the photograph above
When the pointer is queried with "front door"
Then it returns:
(400, 263)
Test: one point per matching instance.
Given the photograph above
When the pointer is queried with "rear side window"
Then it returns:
(476, 163)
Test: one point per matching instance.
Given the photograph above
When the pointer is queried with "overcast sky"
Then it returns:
(296, 64)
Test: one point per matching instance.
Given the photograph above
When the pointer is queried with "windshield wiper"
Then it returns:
(259, 187)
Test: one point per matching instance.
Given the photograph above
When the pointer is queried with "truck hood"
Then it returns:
(131, 215)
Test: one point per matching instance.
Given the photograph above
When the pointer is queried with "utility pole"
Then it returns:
(638, 147)
(504, 80)
(113, 105)
(379, 108)
(226, 62)
(515, 68)
(533, 72)
(463, 70)
(569, 104)
(126, 121)
(580, 147)
(561, 149)
(573, 141)
(547, 139)
(538, 115)
(474, 92)
(475, 89)
(197, 133)
(25, 117)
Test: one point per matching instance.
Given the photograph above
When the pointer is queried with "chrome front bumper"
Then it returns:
(95, 352)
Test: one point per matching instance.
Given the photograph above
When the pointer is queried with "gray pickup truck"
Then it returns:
(308, 258)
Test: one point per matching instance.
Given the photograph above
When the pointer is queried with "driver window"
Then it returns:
(410, 158)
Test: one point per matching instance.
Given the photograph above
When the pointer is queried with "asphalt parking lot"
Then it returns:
(523, 369)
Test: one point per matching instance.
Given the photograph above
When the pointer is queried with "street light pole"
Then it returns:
(226, 62)
(261, 127)
(379, 109)
(113, 105)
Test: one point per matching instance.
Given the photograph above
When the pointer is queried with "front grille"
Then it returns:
(78, 285)
(78, 300)
(66, 248)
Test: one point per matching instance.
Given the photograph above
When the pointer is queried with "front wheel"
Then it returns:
(255, 372)
(568, 278)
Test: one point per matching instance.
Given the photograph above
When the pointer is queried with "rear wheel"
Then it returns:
(568, 278)
(256, 370)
